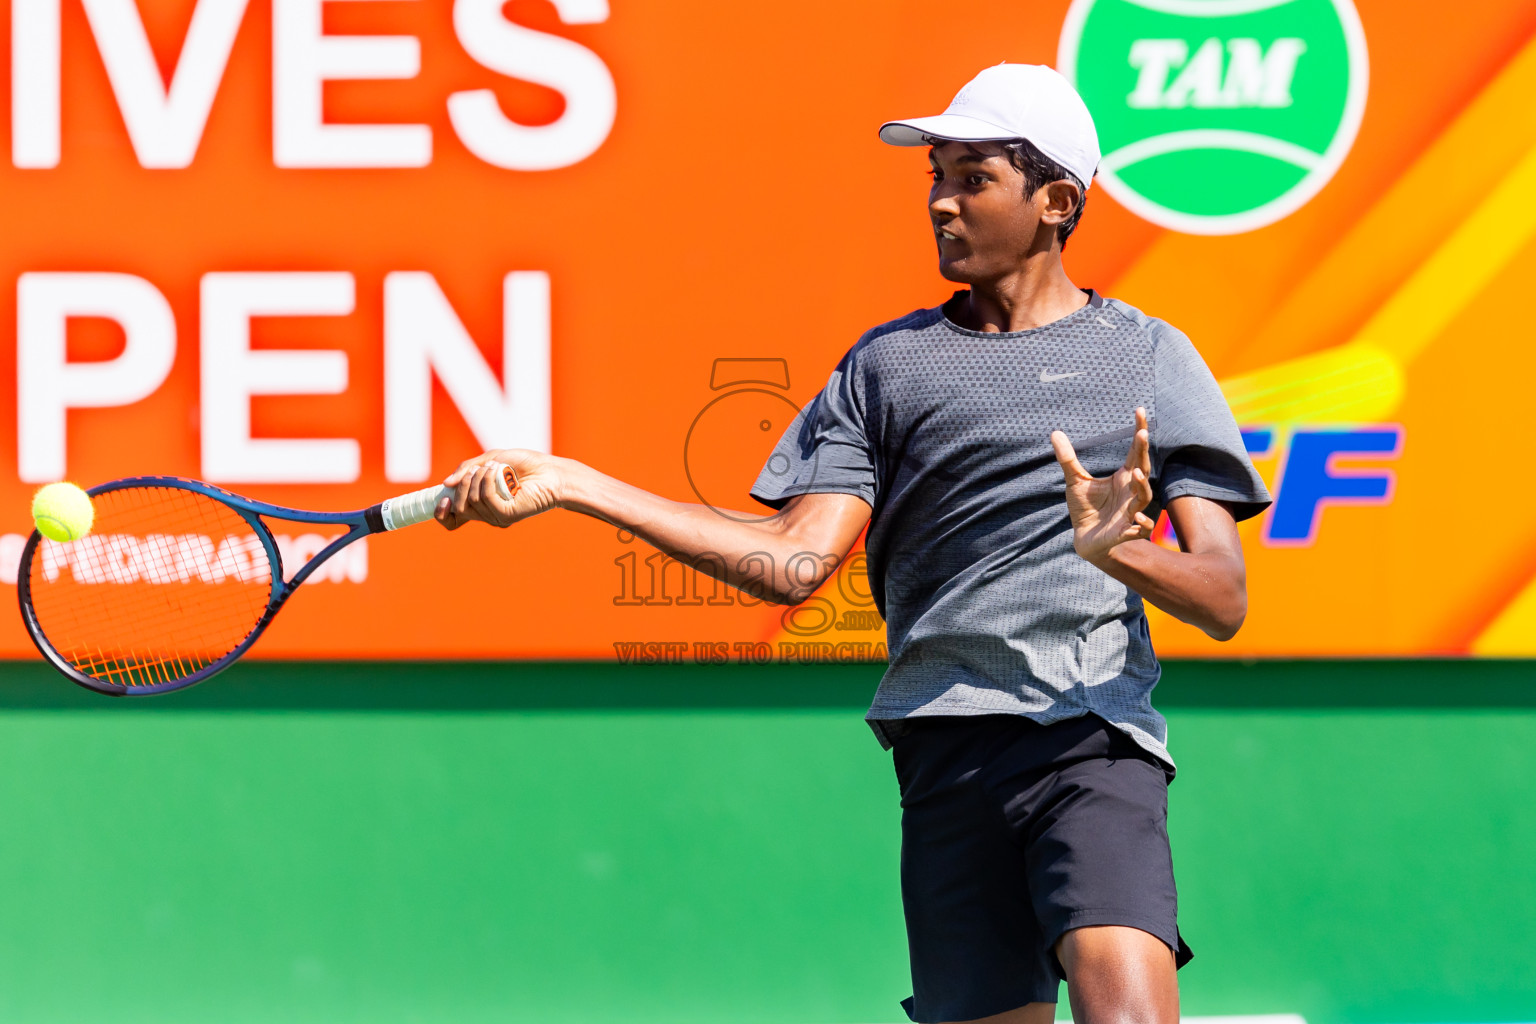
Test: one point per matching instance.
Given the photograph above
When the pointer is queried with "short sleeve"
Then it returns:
(1197, 448)
(825, 449)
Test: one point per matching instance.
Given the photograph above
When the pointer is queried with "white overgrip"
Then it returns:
(418, 506)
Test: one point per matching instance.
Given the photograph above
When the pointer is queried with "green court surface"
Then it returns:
(1355, 843)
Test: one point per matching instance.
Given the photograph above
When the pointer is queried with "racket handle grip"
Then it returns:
(418, 506)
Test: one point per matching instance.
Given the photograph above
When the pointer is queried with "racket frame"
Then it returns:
(363, 522)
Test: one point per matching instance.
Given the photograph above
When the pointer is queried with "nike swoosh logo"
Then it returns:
(1051, 378)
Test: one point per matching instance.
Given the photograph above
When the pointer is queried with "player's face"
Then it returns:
(983, 222)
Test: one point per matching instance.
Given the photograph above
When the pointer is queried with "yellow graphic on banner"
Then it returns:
(1364, 379)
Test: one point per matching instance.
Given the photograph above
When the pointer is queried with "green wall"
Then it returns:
(1355, 842)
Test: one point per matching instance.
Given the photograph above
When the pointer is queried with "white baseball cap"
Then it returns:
(1012, 101)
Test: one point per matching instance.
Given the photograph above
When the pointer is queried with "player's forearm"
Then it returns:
(766, 558)
(1207, 590)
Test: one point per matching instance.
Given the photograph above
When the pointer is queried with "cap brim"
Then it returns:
(950, 127)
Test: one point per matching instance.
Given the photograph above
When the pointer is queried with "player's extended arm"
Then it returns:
(1203, 584)
(782, 558)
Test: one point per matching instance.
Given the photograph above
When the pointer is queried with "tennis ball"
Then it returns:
(1217, 116)
(62, 512)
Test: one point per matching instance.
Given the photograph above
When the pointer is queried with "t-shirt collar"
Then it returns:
(1095, 302)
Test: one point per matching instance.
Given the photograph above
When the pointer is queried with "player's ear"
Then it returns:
(1061, 198)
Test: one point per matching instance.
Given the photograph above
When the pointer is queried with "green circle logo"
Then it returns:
(1217, 116)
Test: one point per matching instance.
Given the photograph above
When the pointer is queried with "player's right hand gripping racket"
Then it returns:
(177, 579)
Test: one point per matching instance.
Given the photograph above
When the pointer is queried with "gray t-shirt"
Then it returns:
(946, 433)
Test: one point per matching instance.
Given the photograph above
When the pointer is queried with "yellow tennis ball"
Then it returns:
(62, 512)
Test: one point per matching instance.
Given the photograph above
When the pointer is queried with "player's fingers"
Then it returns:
(1139, 528)
(1143, 427)
(1141, 487)
(1140, 453)
(443, 513)
(493, 506)
(466, 467)
(1067, 456)
(462, 493)
(479, 485)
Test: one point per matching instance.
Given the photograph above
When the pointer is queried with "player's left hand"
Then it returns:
(1108, 510)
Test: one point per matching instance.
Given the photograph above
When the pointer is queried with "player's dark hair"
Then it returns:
(1040, 170)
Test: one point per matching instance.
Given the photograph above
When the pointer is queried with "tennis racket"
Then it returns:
(178, 578)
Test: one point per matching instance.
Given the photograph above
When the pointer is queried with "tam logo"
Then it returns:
(1254, 76)
(1217, 116)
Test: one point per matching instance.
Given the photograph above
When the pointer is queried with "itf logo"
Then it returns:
(1217, 116)
(1310, 476)
(1317, 468)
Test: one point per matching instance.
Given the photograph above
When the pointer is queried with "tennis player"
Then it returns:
(1009, 452)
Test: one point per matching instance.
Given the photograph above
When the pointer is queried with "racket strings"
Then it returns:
(168, 583)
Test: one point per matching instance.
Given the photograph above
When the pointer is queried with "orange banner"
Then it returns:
(318, 252)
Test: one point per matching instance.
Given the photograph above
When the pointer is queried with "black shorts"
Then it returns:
(1014, 833)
